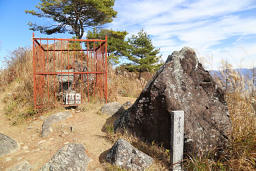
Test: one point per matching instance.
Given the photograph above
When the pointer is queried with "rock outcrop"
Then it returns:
(47, 125)
(124, 155)
(70, 157)
(180, 84)
(7, 145)
(111, 108)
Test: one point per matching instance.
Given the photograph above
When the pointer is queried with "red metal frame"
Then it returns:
(54, 58)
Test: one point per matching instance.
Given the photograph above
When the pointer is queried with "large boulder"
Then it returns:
(54, 118)
(7, 145)
(111, 108)
(70, 157)
(180, 84)
(124, 155)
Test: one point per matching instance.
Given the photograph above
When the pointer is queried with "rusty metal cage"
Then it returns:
(69, 71)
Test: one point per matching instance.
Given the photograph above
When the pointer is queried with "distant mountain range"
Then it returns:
(246, 73)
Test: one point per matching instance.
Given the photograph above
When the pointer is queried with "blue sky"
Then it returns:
(216, 29)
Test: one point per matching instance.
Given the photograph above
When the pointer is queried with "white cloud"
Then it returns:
(206, 25)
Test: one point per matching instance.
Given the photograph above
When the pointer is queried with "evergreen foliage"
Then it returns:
(142, 54)
(73, 16)
(116, 42)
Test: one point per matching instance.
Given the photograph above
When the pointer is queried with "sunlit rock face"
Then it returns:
(180, 84)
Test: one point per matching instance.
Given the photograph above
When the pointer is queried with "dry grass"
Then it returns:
(241, 154)
(125, 84)
(241, 151)
(17, 86)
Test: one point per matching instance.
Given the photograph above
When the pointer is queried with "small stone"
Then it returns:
(124, 155)
(69, 157)
(47, 125)
(7, 145)
(111, 108)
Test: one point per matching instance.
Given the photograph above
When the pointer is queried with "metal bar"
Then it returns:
(39, 44)
(62, 64)
(88, 70)
(101, 65)
(71, 50)
(100, 45)
(43, 60)
(68, 73)
(94, 56)
(48, 91)
(41, 78)
(78, 40)
(106, 69)
(54, 68)
(81, 74)
(68, 70)
(34, 71)
(73, 83)
(91, 61)
(74, 49)
(96, 69)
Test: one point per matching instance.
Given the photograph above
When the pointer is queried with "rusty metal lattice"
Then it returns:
(69, 71)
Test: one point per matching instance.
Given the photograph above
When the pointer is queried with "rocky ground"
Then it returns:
(38, 150)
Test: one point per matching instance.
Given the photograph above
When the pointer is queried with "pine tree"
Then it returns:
(73, 16)
(142, 54)
(116, 42)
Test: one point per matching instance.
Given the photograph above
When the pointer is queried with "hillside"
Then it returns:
(95, 130)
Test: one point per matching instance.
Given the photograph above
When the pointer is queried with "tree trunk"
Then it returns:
(140, 74)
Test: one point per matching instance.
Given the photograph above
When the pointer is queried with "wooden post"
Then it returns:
(177, 140)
